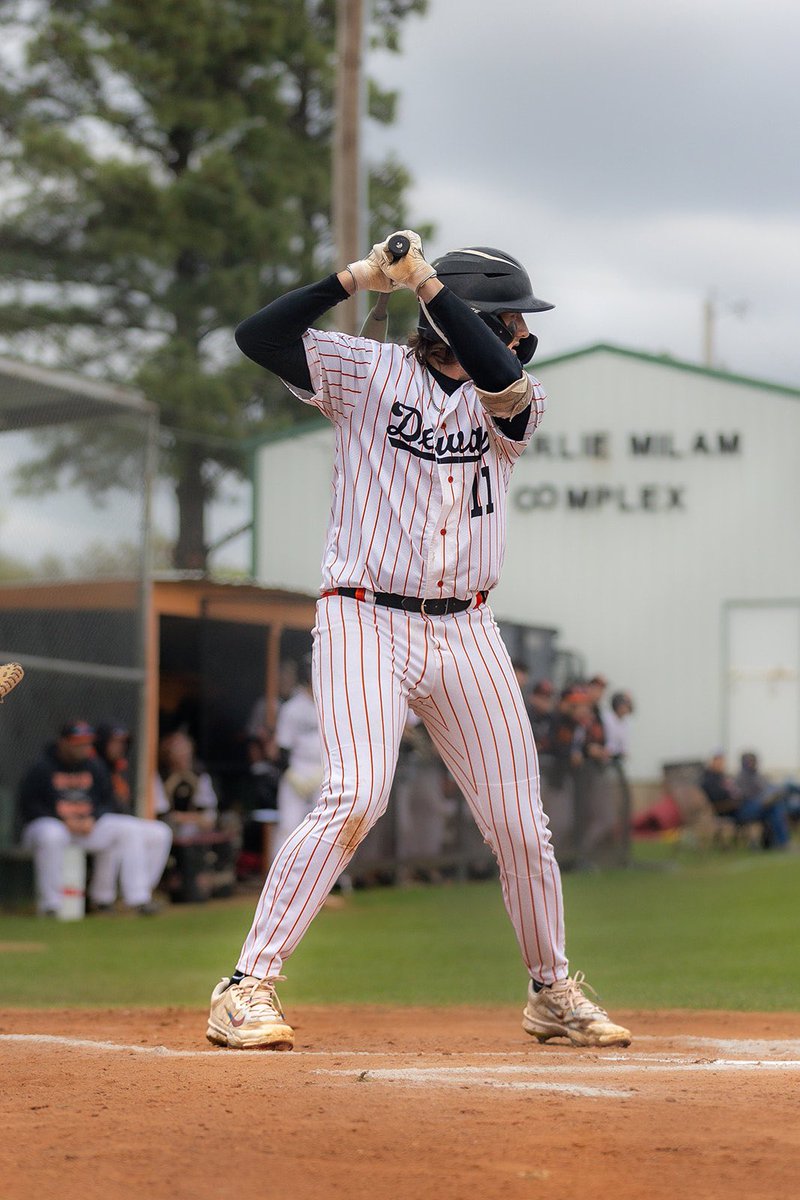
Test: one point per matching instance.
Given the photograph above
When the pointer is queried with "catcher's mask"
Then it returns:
(491, 282)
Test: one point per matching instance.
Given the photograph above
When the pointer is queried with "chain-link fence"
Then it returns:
(76, 465)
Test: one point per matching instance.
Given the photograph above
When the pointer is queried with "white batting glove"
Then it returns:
(368, 273)
(410, 271)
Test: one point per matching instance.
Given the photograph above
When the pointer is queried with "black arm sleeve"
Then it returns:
(491, 365)
(273, 336)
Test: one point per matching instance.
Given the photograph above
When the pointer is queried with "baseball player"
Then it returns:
(297, 735)
(66, 797)
(426, 438)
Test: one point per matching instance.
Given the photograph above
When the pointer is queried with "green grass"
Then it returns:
(677, 930)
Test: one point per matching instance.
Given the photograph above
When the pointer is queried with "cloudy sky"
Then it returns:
(638, 157)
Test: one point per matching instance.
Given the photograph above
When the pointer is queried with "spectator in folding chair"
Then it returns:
(761, 800)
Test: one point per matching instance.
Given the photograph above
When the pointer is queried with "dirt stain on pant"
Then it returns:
(354, 830)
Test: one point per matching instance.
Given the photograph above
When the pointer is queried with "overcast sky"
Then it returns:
(636, 156)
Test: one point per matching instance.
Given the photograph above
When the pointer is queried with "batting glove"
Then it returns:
(410, 271)
(369, 274)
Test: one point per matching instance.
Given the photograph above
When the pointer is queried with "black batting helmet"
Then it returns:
(491, 282)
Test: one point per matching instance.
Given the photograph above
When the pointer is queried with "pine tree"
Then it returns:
(165, 170)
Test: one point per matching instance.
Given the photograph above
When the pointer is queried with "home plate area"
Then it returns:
(603, 1074)
(653, 1062)
(652, 1065)
(416, 1102)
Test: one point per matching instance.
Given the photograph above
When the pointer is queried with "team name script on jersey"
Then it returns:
(411, 434)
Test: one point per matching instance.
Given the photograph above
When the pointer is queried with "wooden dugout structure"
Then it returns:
(144, 650)
(211, 651)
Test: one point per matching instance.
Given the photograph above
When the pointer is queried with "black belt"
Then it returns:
(428, 608)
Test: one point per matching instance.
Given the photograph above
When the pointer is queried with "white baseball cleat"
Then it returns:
(562, 1010)
(247, 1016)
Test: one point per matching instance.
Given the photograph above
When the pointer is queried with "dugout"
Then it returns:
(97, 634)
(77, 460)
(210, 650)
(217, 650)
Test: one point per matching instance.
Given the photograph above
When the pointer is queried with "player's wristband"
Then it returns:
(422, 282)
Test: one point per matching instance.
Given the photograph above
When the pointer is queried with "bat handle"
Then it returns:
(399, 246)
(380, 310)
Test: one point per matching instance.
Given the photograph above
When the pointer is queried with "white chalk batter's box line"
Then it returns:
(553, 1073)
(478, 1077)
(561, 1060)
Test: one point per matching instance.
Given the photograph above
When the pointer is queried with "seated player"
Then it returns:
(66, 797)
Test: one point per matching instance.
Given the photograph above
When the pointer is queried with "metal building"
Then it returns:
(653, 524)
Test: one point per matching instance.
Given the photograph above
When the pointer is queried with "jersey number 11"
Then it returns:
(477, 508)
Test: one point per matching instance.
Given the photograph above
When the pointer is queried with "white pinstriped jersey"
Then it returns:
(421, 478)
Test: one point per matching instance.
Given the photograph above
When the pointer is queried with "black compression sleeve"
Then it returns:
(491, 365)
(514, 427)
(273, 337)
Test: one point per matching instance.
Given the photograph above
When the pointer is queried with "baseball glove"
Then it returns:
(10, 676)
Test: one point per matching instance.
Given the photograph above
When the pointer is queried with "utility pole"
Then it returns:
(709, 317)
(711, 312)
(348, 200)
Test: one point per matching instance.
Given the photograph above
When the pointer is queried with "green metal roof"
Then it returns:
(666, 360)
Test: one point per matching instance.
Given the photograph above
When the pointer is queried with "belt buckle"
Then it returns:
(422, 607)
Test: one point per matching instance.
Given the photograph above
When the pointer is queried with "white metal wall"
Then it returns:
(633, 556)
(642, 591)
(293, 499)
(762, 683)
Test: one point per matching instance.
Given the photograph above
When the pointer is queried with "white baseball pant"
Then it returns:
(292, 808)
(129, 847)
(370, 664)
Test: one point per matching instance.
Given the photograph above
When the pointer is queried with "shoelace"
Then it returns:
(260, 996)
(574, 999)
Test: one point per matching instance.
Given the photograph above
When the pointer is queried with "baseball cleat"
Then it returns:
(562, 1010)
(247, 1016)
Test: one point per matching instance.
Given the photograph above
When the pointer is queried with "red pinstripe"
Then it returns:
(284, 862)
(362, 459)
(389, 503)
(386, 517)
(476, 633)
(310, 861)
(523, 737)
(488, 724)
(380, 527)
(456, 673)
(481, 728)
(547, 861)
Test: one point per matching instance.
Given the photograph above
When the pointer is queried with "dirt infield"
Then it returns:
(387, 1103)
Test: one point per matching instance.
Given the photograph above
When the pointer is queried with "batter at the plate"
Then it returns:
(426, 438)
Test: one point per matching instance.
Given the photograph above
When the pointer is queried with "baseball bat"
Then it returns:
(399, 246)
(376, 324)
